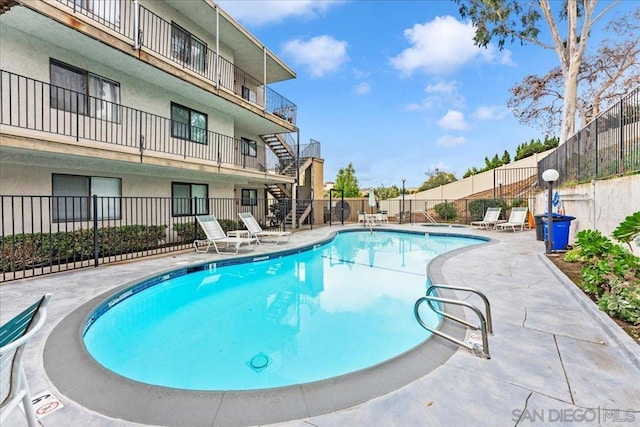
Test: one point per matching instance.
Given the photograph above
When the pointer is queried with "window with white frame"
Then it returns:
(189, 199)
(188, 124)
(78, 91)
(249, 197)
(188, 49)
(72, 197)
(248, 147)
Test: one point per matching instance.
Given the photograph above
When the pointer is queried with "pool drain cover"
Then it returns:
(259, 362)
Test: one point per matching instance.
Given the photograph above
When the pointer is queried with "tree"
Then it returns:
(436, 179)
(506, 158)
(347, 182)
(532, 147)
(384, 193)
(510, 20)
(604, 78)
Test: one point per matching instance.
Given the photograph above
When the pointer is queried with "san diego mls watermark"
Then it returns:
(578, 415)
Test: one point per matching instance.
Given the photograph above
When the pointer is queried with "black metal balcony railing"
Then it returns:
(178, 45)
(608, 146)
(32, 104)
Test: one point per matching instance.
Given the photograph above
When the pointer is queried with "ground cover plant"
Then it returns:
(610, 273)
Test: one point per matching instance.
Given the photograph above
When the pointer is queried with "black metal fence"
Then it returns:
(608, 146)
(43, 234)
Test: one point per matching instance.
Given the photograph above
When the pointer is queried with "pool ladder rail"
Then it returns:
(485, 326)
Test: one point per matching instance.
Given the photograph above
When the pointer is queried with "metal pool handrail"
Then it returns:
(485, 322)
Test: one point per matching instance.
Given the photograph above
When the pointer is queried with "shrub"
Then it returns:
(23, 251)
(611, 274)
(446, 210)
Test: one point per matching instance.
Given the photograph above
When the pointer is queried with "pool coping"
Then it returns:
(79, 377)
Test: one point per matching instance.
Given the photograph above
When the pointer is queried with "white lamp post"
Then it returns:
(550, 176)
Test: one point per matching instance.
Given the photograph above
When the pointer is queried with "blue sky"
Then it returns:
(396, 87)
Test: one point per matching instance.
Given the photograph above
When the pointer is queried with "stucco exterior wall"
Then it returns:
(14, 181)
(473, 184)
(23, 54)
(599, 205)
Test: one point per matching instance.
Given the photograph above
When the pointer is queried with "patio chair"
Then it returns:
(216, 235)
(490, 219)
(259, 234)
(517, 219)
(362, 217)
(14, 336)
(382, 217)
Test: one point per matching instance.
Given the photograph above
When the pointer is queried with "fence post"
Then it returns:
(596, 144)
(621, 164)
(410, 214)
(194, 207)
(96, 242)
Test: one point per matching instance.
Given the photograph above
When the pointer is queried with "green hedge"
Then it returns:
(446, 211)
(22, 251)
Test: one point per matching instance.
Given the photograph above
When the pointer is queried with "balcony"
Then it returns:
(178, 46)
(34, 105)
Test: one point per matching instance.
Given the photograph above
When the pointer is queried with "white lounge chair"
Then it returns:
(517, 219)
(259, 234)
(216, 235)
(14, 336)
(490, 219)
(382, 217)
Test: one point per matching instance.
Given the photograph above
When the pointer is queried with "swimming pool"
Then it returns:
(281, 320)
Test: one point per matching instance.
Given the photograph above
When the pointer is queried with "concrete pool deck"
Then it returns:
(555, 357)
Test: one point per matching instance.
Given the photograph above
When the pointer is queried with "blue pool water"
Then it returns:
(340, 307)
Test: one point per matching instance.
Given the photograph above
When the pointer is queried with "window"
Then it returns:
(182, 195)
(105, 10)
(78, 91)
(188, 124)
(248, 147)
(249, 95)
(188, 49)
(72, 197)
(249, 197)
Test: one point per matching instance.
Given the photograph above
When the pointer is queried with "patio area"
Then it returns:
(555, 356)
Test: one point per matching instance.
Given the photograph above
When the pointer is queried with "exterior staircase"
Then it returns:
(285, 149)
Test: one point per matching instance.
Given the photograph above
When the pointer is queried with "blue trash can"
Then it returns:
(561, 226)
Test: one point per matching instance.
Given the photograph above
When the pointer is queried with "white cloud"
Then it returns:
(453, 120)
(491, 112)
(450, 141)
(442, 46)
(440, 93)
(260, 12)
(362, 88)
(320, 55)
(443, 87)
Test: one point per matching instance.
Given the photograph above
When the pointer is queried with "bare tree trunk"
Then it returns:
(569, 105)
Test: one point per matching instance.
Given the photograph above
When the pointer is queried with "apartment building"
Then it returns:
(166, 99)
